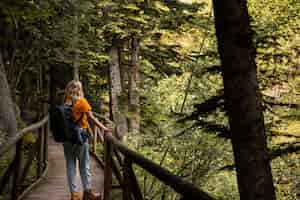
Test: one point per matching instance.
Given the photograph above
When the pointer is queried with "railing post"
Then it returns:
(126, 180)
(17, 170)
(46, 133)
(131, 181)
(108, 151)
(6, 177)
(40, 152)
(95, 134)
(28, 163)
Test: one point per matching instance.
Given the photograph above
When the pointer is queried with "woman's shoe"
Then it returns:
(75, 196)
(89, 195)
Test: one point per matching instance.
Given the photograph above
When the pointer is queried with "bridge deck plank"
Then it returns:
(54, 186)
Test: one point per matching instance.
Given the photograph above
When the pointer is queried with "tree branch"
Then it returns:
(205, 107)
(219, 129)
(292, 148)
(278, 134)
(273, 153)
(274, 103)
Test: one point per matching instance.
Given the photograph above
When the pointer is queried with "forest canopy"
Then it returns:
(156, 68)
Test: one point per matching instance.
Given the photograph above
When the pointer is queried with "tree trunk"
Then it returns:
(75, 45)
(116, 91)
(98, 96)
(8, 122)
(123, 62)
(76, 68)
(243, 100)
(134, 85)
(85, 84)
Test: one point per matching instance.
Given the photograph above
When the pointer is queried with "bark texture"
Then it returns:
(134, 85)
(243, 100)
(116, 92)
(8, 122)
(76, 45)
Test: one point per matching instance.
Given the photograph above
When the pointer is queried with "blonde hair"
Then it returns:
(73, 92)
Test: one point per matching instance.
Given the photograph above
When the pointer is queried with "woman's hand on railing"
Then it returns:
(97, 122)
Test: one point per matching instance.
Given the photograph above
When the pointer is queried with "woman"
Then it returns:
(81, 111)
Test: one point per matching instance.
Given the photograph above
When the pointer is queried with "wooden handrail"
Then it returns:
(114, 146)
(12, 141)
(103, 118)
(186, 189)
(20, 172)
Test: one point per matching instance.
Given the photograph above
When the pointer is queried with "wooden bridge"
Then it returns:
(48, 179)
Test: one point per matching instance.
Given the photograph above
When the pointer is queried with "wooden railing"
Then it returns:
(118, 160)
(20, 168)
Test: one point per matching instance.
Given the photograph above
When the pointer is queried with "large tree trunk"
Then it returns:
(116, 92)
(8, 122)
(134, 85)
(243, 100)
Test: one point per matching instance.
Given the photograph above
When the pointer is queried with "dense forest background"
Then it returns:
(169, 92)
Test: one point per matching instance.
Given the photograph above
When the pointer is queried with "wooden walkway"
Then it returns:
(55, 186)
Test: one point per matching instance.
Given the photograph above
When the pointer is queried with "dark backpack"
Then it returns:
(63, 126)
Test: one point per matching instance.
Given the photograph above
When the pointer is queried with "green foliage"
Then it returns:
(179, 66)
(216, 186)
(276, 37)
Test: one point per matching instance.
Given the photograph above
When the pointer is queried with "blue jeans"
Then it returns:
(72, 153)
